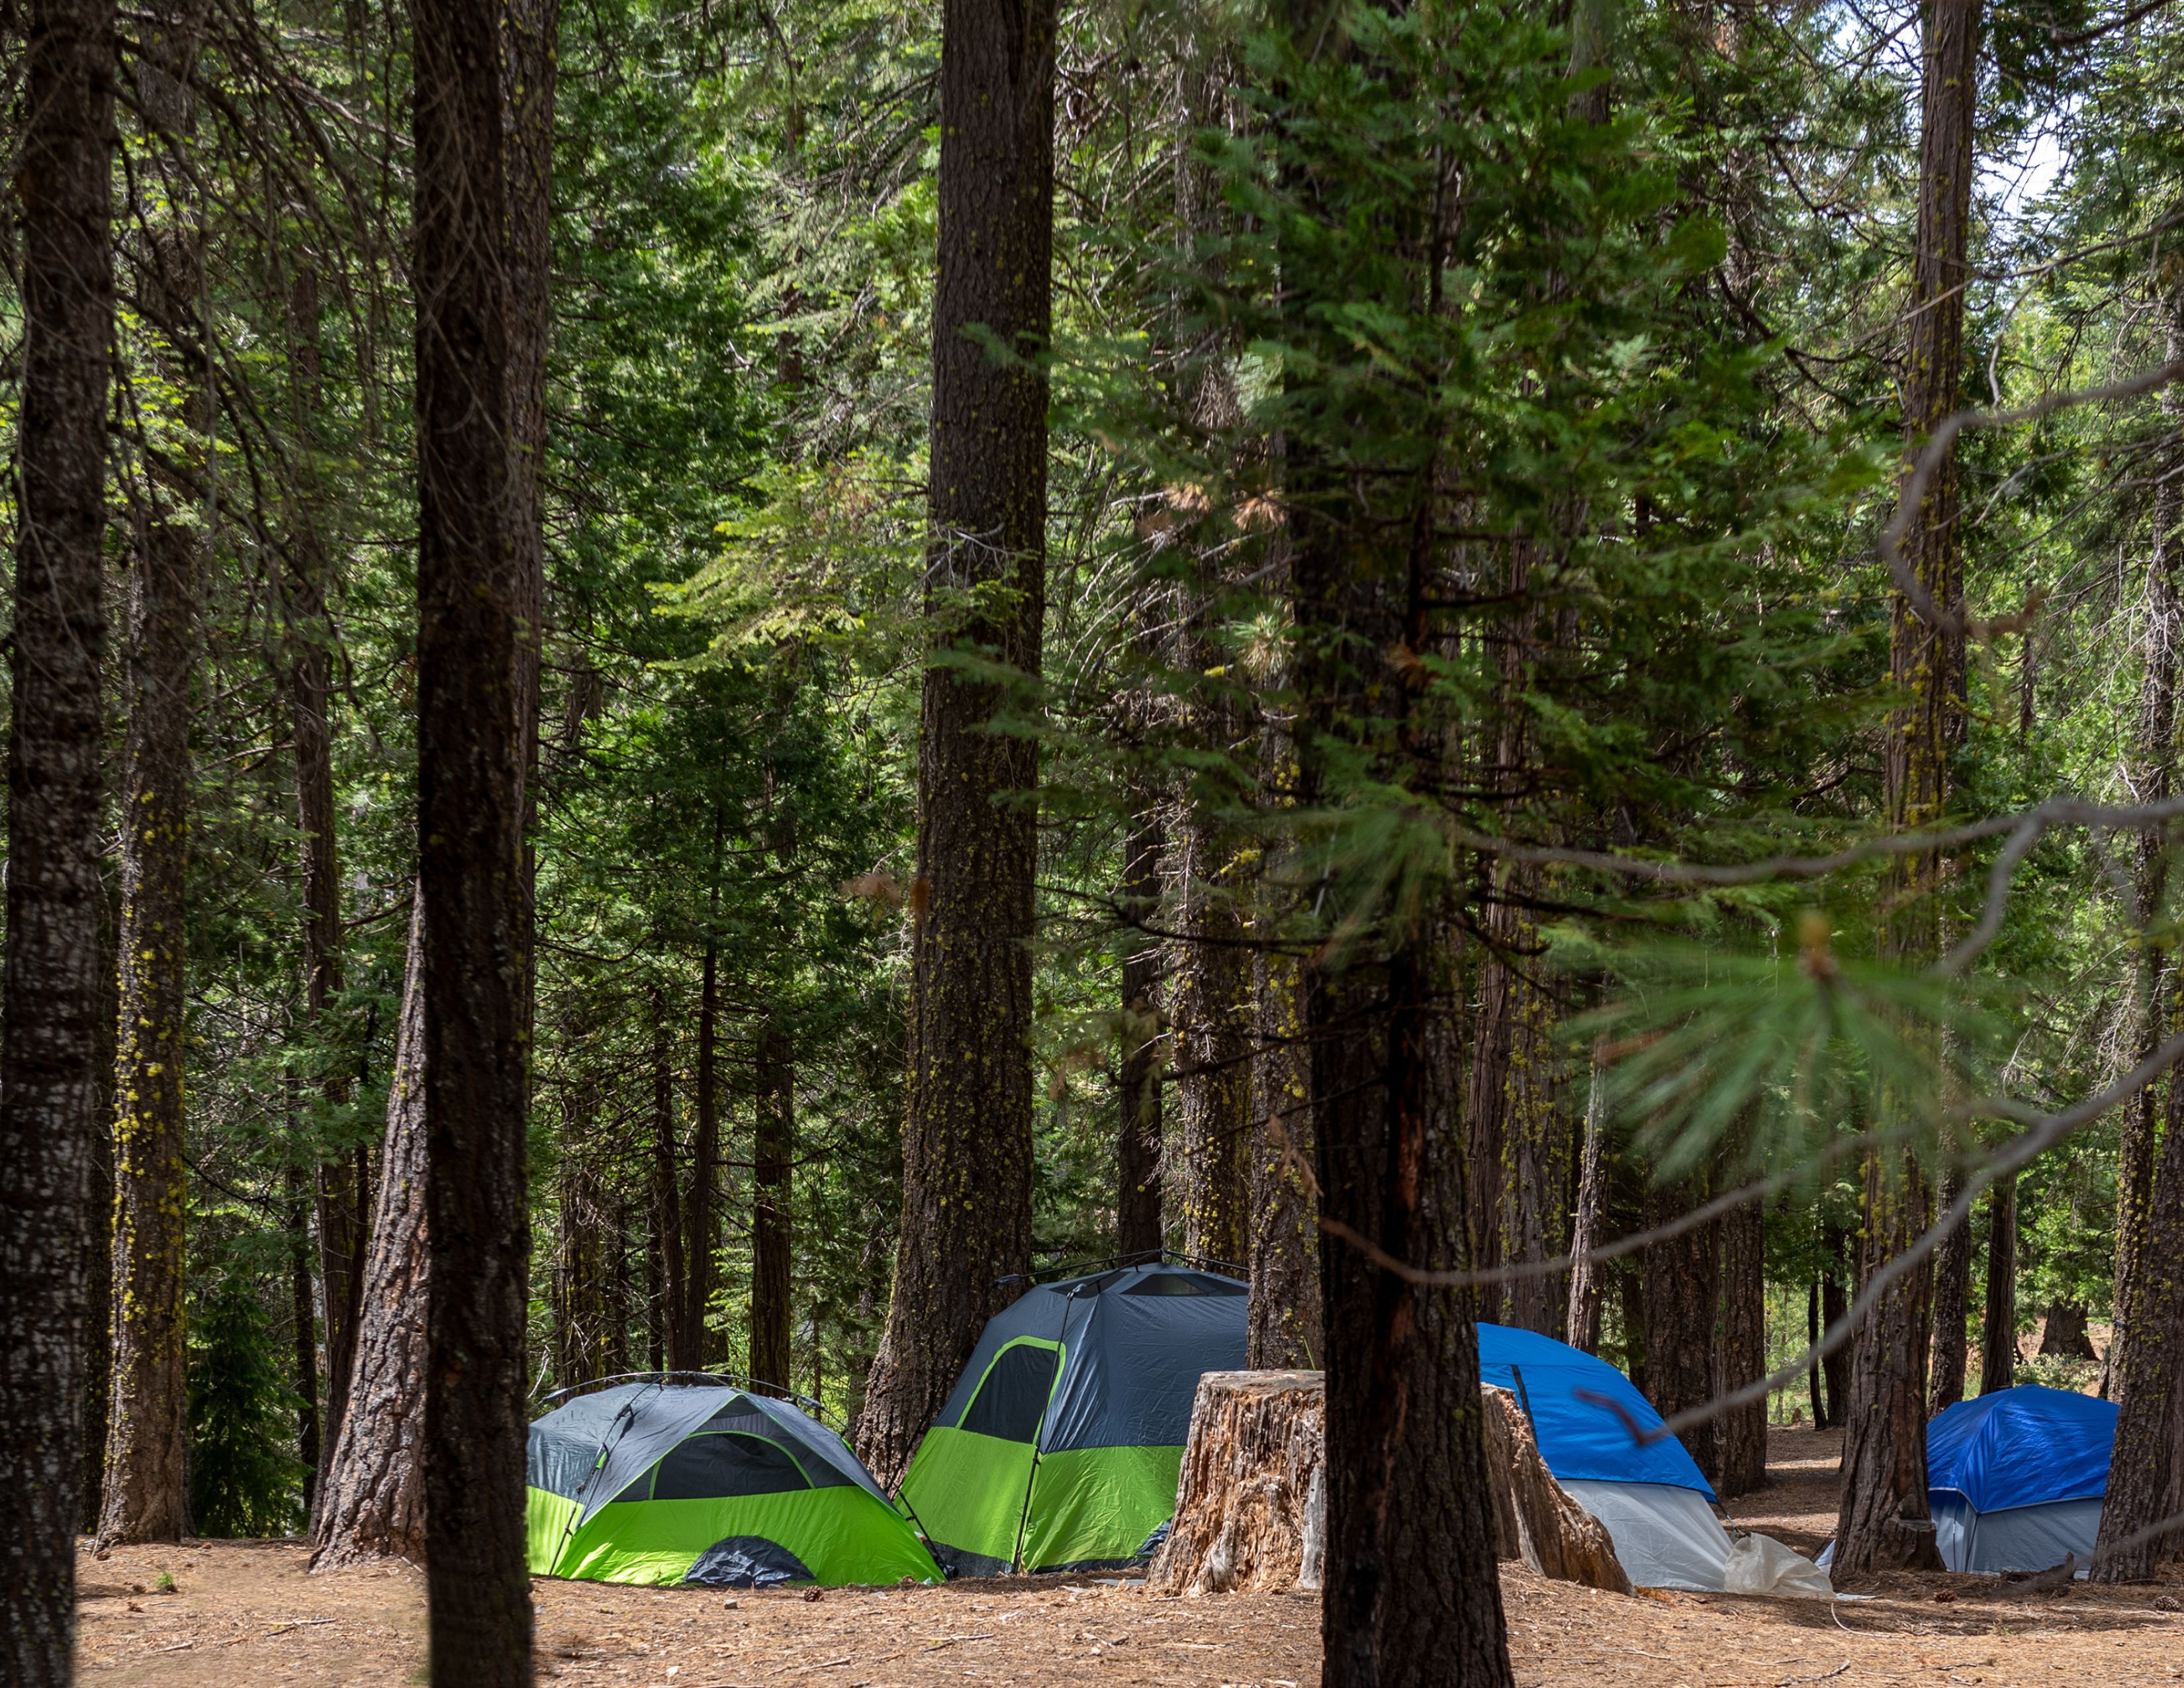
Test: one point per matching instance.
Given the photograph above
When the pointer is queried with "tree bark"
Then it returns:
(1486, 1095)
(1884, 1522)
(1535, 1148)
(1683, 1283)
(1210, 973)
(1998, 1341)
(1139, 1229)
(371, 1503)
(304, 1328)
(1812, 1340)
(146, 1488)
(1538, 1521)
(1581, 1320)
(672, 1324)
(1630, 1299)
(1285, 1328)
(1953, 1295)
(1258, 1445)
(1209, 981)
(473, 723)
(699, 1213)
(2146, 1473)
(1835, 1307)
(49, 972)
(1741, 1431)
(583, 1275)
(342, 1193)
(99, 1212)
(1504, 1093)
(2063, 1334)
(2155, 986)
(1412, 1595)
(966, 1140)
(773, 1154)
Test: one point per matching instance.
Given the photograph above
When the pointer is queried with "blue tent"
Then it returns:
(1590, 1424)
(1565, 1392)
(2014, 1479)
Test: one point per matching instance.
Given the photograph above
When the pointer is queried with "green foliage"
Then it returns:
(244, 1480)
(1624, 391)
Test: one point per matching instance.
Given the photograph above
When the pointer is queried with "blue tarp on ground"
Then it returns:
(1586, 1439)
(2022, 1447)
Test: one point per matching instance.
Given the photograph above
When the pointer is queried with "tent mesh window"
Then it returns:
(714, 1464)
(1013, 1399)
(1184, 1283)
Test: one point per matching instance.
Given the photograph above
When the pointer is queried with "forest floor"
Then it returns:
(249, 1613)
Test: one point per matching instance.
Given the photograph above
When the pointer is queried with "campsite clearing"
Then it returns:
(248, 1612)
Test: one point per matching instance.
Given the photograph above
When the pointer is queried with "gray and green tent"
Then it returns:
(1059, 1448)
(671, 1482)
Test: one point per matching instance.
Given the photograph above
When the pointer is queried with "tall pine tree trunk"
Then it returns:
(1953, 1294)
(773, 1155)
(1998, 1342)
(1683, 1285)
(1413, 1593)
(2152, 779)
(341, 1193)
(1581, 1320)
(1835, 1306)
(1485, 1111)
(1209, 972)
(700, 1219)
(1501, 1079)
(471, 762)
(49, 977)
(1209, 984)
(2146, 1471)
(371, 1503)
(966, 1141)
(1741, 1432)
(303, 1328)
(146, 1486)
(98, 1211)
(588, 1245)
(670, 1322)
(1535, 1146)
(1883, 1523)
(1286, 1330)
(1139, 1229)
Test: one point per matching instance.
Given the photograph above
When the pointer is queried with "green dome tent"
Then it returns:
(1060, 1446)
(664, 1481)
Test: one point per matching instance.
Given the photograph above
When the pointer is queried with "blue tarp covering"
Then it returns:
(1582, 1439)
(2021, 1447)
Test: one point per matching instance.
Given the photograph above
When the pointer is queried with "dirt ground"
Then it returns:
(249, 1613)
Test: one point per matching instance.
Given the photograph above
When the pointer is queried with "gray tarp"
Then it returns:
(2015, 1538)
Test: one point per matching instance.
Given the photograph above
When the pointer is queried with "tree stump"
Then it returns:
(1250, 1473)
(1535, 1519)
(1252, 1504)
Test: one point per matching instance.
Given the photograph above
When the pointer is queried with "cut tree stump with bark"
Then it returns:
(1251, 1506)
(1257, 1440)
(1536, 1518)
